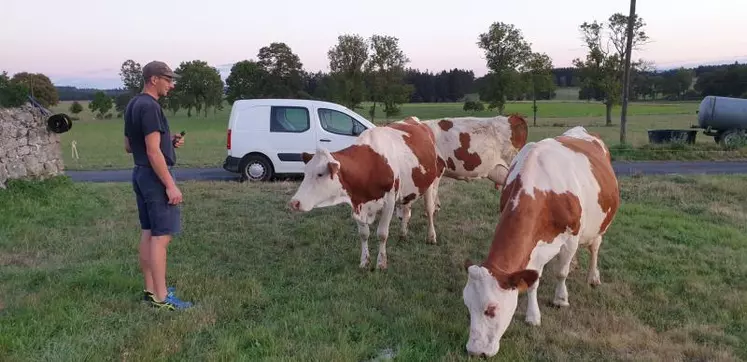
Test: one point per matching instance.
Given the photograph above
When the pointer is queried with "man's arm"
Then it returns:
(151, 128)
(128, 149)
(157, 161)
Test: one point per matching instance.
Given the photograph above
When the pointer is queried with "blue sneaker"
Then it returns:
(171, 303)
(148, 296)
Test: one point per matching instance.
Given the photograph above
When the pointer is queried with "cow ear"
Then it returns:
(523, 279)
(306, 157)
(334, 168)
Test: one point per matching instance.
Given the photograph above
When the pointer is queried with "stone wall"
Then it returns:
(27, 149)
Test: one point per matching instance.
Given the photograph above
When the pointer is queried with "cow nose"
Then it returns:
(295, 204)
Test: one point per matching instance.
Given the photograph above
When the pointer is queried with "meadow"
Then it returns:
(99, 142)
(273, 285)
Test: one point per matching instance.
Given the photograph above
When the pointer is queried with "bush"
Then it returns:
(12, 94)
(76, 108)
(473, 106)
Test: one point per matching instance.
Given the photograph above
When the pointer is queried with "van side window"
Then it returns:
(339, 123)
(289, 119)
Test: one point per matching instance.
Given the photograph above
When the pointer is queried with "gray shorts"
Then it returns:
(153, 207)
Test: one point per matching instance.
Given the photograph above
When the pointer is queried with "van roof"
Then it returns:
(284, 101)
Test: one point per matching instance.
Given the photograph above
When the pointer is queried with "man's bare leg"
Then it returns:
(158, 246)
(145, 258)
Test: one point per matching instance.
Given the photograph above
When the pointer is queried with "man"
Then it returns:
(149, 139)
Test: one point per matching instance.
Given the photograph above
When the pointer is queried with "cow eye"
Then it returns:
(319, 174)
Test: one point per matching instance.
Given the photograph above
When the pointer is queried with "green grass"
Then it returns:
(271, 285)
(99, 142)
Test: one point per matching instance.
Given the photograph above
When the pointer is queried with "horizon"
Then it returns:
(228, 31)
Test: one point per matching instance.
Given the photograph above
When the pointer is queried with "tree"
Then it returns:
(346, 62)
(199, 86)
(728, 80)
(539, 76)
(674, 83)
(247, 80)
(39, 86)
(12, 94)
(505, 51)
(101, 103)
(385, 71)
(601, 72)
(121, 101)
(76, 108)
(132, 76)
(284, 69)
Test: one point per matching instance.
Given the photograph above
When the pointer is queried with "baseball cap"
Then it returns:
(158, 68)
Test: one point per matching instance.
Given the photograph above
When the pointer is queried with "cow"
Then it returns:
(386, 166)
(476, 148)
(560, 193)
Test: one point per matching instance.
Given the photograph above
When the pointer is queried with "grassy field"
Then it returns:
(99, 142)
(271, 285)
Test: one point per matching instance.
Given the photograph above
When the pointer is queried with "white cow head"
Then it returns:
(491, 307)
(321, 182)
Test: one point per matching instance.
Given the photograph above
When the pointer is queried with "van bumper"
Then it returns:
(231, 164)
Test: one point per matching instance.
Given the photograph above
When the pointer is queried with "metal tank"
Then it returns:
(722, 113)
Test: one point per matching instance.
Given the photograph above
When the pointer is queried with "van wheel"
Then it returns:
(256, 168)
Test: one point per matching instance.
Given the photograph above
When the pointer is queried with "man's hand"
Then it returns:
(177, 140)
(174, 194)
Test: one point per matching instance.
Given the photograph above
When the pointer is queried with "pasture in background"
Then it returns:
(272, 284)
(100, 142)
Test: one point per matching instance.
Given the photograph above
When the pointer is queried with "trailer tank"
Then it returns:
(722, 113)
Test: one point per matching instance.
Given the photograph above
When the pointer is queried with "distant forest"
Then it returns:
(453, 85)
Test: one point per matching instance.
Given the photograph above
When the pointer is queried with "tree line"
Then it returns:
(374, 70)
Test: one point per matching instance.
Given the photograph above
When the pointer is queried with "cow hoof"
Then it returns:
(381, 266)
(561, 303)
(533, 320)
(594, 281)
(431, 240)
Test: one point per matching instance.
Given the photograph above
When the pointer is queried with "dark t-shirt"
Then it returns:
(142, 116)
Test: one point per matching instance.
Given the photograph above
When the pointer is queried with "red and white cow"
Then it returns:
(561, 193)
(476, 148)
(386, 166)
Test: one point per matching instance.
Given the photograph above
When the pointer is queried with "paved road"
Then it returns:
(622, 168)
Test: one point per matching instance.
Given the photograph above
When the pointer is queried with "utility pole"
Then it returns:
(626, 74)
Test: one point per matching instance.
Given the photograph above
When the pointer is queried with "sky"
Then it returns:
(83, 43)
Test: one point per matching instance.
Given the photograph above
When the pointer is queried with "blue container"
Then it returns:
(722, 113)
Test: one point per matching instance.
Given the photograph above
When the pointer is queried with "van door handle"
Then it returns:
(324, 140)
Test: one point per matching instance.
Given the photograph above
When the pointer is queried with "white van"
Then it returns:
(266, 137)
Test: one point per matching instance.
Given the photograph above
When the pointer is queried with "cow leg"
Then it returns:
(533, 316)
(437, 201)
(404, 212)
(567, 251)
(543, 253)
(430, 207)
(498, 175)
(574, 262)
(383, 232)
(593, 276)
(364, 232)
(437, 198)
